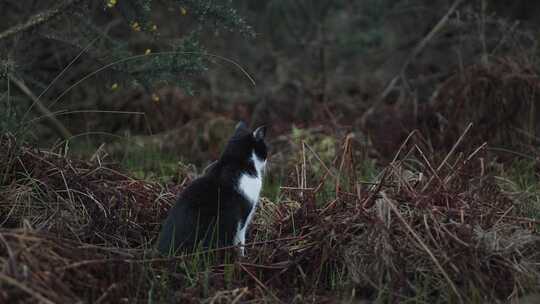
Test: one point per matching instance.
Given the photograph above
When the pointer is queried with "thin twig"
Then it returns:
(424, 246)
(168, 259)
(320, 161)
(416, 51)
(55, 123)
(106, 293)
(38, 19)
(30, 291)
(424, 42)
(447, 157)
(264, 287)
(135, 57)
(64, 70)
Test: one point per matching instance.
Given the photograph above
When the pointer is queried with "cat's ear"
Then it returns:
(240, 125)
(260, 133)
(240, 129)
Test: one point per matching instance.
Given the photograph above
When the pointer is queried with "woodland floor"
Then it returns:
(338, 223)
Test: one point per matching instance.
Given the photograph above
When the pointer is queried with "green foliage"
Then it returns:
(176, 60)
(522, 181)
(220, 15)
(371, 21)
(95, 47)
(323, 145)
(344, 26)
(8, 115)
(524, 173)
(151, 164)
(178, 66)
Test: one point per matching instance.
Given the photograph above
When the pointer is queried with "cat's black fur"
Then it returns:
(207, 212)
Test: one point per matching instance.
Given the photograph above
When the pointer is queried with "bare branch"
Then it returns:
(48, 115)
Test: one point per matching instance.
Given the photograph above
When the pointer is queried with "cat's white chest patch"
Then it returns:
(249, 185)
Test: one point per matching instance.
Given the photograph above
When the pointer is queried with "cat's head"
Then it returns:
(245, 144)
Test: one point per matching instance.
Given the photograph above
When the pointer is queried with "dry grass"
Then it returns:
(426, 230)
(500, 98)
(88, 202)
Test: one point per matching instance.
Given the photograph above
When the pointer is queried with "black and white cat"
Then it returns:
(216, 209)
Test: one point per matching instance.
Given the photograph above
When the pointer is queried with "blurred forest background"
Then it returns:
(404, 161)
(172, 74)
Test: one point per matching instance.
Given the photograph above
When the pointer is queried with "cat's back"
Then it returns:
(203, 194)
(194, 201)
(201, 190)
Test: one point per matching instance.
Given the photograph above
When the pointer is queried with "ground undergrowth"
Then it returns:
(453, 227)
(390, 182)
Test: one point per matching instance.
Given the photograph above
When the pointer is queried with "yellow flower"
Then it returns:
(183, 11)
(136, 26)
(155, 98)
(114, 86)
(148, 51)
(111, 3)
